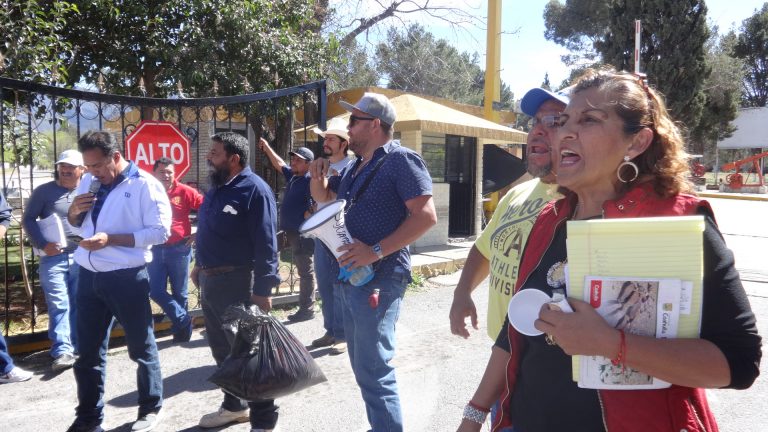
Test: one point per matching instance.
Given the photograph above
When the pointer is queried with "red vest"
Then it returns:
(672, 409)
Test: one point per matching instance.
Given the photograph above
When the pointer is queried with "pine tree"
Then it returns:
(672, 53)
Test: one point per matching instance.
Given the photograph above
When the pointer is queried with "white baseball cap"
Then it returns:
(71, 157)
(336, 126)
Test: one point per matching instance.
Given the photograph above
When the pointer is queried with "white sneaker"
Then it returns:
(16, 374)
(223, 417)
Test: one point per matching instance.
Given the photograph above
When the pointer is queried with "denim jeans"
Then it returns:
(218, 292)
(58, 278)
(332, 306)
(6, 362)
(171, 262)
(102, 297)
(302, 250)
(371, 346)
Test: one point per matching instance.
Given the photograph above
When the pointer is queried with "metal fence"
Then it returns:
(37, 122)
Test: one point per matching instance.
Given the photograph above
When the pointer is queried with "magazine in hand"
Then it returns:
(641, 306)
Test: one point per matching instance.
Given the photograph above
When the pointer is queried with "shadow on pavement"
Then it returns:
(194, 380)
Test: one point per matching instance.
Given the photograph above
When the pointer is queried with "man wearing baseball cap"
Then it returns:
(498, 249)
(335, 145)
(58, 270)
(505, 234)
(389, 205)
(295, 204)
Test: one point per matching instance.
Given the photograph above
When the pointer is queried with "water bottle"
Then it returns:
(357, 277)
(361, 275)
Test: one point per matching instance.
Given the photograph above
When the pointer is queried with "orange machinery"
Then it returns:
(736, 180)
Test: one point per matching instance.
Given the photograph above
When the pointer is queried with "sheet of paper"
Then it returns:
(52, 230)
(659, 247)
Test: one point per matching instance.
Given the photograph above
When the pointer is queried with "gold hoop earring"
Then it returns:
(627, 162)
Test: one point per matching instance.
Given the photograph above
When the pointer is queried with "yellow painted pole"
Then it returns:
(493, 61)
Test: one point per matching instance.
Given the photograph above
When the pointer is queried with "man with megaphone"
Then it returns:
(388, 193)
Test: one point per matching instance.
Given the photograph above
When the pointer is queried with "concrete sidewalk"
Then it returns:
(440, 260)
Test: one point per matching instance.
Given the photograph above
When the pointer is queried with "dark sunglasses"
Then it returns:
(354, 119)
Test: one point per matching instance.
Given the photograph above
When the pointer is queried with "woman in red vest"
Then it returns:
(617, 154)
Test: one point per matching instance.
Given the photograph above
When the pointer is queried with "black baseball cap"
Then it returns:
(303, 153)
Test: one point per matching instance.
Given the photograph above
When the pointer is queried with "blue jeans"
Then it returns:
(102, 297)
(333, 306)
(6, 362)
(218, 292)
(58, 278)
(171, 262)
(371, 346)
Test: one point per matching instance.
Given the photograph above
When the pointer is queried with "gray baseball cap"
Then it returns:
(375, 105)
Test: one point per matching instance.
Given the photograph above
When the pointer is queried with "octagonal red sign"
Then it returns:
(152, 140)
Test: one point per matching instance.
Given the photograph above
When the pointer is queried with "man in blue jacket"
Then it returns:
(236, 261)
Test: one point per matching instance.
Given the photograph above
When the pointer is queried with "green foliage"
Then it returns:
(351, 68)
(722, 91)
(33, 48)
(19, 148)
(672, 44)
(752, 48)
(671, 52)
(417, 282)
(243, 46)
(576, 25)
(414, 61)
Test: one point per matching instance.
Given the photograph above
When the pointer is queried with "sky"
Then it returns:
(526, 56)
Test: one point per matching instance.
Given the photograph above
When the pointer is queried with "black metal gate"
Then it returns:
(460, 162)
(37, 122)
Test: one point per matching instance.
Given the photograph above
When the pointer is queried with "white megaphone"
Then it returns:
(327, 224)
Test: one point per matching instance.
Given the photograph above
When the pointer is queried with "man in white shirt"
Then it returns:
(121, 211)
(335, 149)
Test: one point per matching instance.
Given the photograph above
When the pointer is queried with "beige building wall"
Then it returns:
(438, 234)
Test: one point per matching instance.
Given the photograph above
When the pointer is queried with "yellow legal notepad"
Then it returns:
(658, 247)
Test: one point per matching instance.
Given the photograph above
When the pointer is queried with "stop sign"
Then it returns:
(152, 140)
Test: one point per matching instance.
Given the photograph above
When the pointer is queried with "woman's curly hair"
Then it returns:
(665, 163)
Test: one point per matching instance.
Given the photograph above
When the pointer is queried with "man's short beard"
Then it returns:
(218, 176)
(539, 171)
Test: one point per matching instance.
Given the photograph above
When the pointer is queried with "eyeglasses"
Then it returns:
(548, 121)
(354, 119)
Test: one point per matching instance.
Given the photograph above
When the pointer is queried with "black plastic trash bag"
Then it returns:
(266, 360)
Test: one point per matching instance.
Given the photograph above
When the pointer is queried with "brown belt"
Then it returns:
(213, 271)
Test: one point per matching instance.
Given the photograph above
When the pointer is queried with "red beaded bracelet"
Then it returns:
(621, 357)
(478, 407)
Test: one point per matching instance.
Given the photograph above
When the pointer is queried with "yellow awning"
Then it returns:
(418, 114)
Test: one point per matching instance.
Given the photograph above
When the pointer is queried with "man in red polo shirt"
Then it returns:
(171, 260)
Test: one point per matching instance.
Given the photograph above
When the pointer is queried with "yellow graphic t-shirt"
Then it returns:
(502, 242)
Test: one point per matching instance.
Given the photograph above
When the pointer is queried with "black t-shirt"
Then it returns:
(546, 398)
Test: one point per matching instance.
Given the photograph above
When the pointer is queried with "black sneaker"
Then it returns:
(301, 315)
(62, 362)
(80, 427)
(184, 335)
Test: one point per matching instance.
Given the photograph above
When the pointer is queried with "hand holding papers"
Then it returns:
(659, 263)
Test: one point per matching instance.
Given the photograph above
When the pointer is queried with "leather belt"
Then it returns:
(213, 271)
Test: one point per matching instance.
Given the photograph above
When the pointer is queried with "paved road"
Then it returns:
(437, 371)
